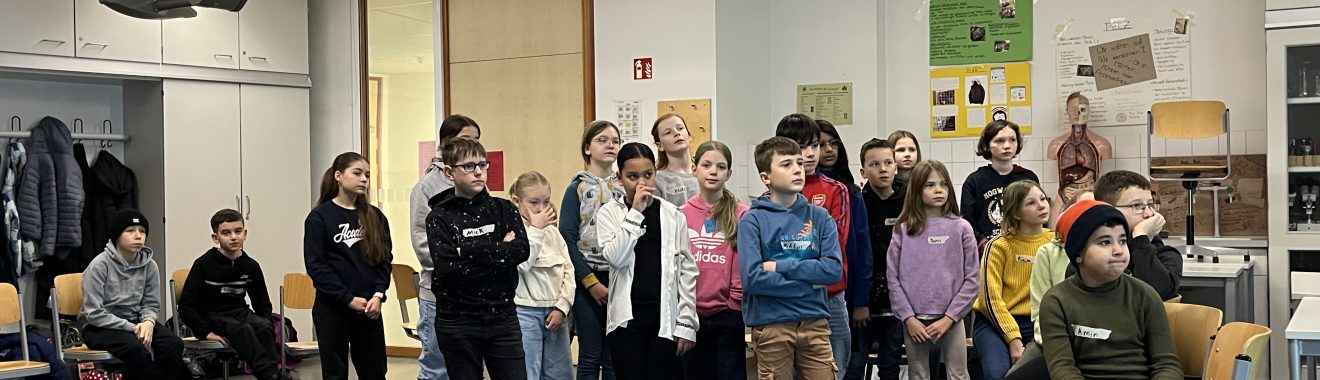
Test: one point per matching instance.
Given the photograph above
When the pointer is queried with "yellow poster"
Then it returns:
(963, 99)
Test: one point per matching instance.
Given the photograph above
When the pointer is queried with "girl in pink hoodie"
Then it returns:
(712, 220)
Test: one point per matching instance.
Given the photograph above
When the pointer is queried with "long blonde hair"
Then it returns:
(1015, 194)
(369, 218)
(725, 213)
(914, 207)
(526, 181)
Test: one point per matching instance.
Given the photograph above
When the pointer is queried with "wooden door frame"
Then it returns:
(588, 59)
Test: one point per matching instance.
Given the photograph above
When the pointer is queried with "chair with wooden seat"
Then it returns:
(1192, 327)
(11, 312)
(297, 292)
(67, 298)
(192, 343)
(405, 288)
(1189, 120)
(1237, 352)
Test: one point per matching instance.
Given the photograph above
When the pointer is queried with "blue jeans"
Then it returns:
(589, 322)
(547, 352)
(431, 363)
(721, 349)
(888, 331)
(991, 347)
(840, 333)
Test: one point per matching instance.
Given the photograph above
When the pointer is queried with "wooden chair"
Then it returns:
(405, 288)
(1189, 120)
(1236, 350)
(67, 297)
(297, 292)
(192, 343)
(1192, 327)
(11, 311)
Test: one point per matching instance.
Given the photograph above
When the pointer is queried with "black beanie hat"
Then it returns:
(1081, 219)
(122, 220)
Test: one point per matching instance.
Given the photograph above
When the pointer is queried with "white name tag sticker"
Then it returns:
(478, 231)
(1091, 332)
(891, 221)
(1025, 258)
(937, 240)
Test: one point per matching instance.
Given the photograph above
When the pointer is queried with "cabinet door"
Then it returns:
(106, 34)
(272, 36)
(210, 39)
(1289, 4)
(276, 164)
(37, 26)
(202, 165)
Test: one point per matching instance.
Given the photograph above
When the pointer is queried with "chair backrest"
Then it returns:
(298, 291)
(68, 292)
(1233, 339)
(10, 308)
(405, 287)
(1191, 327)
(1188, 119)
(179, 277)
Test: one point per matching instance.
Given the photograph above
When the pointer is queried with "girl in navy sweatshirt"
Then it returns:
(983, 191)
(346, 247)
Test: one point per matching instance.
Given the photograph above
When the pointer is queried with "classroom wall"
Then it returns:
(336, 103)
(1227, 42)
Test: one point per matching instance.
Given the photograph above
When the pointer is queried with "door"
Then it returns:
(106, 34)
(202, 168)
(37, 27)
(275, 147)
(209, 40)
(273, 36)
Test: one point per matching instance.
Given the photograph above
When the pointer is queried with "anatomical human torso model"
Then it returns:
(1079, 152)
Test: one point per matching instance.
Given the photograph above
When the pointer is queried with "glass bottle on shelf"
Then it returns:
(1305, 86)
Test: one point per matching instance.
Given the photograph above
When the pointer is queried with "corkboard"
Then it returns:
(1248, 215)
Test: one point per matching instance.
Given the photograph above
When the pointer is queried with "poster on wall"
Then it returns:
(832, 102)
(963, 99)
(628, 114)
(979, 31)
(1123, 66)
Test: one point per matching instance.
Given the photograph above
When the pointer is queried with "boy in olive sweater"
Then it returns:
(1103, 323)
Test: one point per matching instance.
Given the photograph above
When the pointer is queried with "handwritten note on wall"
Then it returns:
(1123, 62)
(1123, 105)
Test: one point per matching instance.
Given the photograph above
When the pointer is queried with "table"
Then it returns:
(1303, 335)
(1234, 278)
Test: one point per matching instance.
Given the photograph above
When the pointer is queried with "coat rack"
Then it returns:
(16, 132)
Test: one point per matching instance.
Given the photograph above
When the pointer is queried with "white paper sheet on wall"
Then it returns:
(629, 115)
(1125, 105)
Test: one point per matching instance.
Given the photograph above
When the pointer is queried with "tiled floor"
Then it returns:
(310, 369)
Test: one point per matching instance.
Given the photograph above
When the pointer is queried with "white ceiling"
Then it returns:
(400, 36)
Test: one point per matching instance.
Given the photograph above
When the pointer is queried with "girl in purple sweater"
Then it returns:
(933, 272)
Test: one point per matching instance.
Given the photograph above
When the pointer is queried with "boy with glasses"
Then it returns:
(1158, 265)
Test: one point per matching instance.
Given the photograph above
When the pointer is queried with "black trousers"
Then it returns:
(721, 349)
(251, 335)
(638, 353)
(164, 360)
(469, 341)
(339, 329)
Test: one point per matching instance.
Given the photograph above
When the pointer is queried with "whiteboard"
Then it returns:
(1126, 105)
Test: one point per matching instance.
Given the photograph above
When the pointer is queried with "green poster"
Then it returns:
(979, 31)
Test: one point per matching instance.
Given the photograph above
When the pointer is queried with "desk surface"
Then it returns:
(1195, 269)
(1305, 284)
(1305, 323)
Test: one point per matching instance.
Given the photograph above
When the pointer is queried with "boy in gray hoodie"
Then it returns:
(121, 304)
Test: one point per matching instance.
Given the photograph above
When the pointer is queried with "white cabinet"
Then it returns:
(244, 147)
(106, 34)
(209, 40)
(202, 163)
(272, 36)
(1290, 4)
(37, 26)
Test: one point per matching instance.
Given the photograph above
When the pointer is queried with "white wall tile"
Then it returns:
(940, 151)
(1158, 148)
(1032, 148)
(964, 151)
(1256, 143)
(738, 180)
(1205, 146)
(1177, 147)
(1126, 146)
(1142, 145)
(1129, 164)
(960, 170)
(1049, 171)
(1239, 142)
(1106, 165)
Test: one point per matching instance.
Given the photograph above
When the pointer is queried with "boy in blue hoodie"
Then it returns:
(789, 253)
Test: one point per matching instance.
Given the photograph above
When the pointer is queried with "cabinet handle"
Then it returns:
(89, 44)
(223, 56)
(255, 59)
(238, 203)
(56, 42)
(249, 207)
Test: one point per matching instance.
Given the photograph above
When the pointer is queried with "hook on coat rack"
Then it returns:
(107, 128)
(15, 123)
(77, 128)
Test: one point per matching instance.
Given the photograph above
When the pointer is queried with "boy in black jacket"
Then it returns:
(1158, 265)
(884, 201)
(476, 243)
(213, 304)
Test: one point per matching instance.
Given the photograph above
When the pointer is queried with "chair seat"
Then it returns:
(1188, 171)
(410, 326)
(196, 344)
(20, 369)
(303, 347)
(81, 352)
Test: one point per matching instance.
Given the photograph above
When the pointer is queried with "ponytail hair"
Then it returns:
(725, 213)
(373, 228)
(526, 181)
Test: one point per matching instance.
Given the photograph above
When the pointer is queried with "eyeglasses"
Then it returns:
(812, 145)
(832, 144)
(607, 141)
(1138, 208)
(473, 166)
